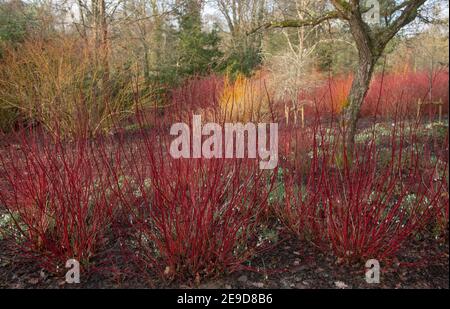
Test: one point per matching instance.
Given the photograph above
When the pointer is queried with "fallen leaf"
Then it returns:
(258, 284)
(167, 270)
(340, 285)
(33, 281)
(197, 279)
(242, 278)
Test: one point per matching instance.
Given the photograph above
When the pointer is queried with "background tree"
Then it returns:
(370, 39)
(243, 53)
(293, 60)
(198, 50)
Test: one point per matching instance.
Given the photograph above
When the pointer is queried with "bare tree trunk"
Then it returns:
(104, 42)
(358, 91)
(368, 54)
(101, 55)
(83, 31)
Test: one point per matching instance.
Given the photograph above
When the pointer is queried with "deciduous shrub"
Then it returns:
(57, 79)
(364, 208)
(190, 218)
(245, 99)
(389, 94)
(56, 196)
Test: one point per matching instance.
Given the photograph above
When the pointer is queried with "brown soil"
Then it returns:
(291, 264)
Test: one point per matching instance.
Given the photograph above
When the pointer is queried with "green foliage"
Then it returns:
(193, 51)
(335, 56)
(16, 19)
(197, 50)
(243, 58)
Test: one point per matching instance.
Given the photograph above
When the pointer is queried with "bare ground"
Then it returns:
(422, 263)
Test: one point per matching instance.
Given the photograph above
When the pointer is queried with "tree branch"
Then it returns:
(409, 13)
(293, 23)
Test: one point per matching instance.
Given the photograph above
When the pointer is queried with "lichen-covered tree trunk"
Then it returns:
(368, 54)
(358, 91)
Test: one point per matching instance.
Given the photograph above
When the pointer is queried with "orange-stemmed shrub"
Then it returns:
(245, 99)
(56, 83)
